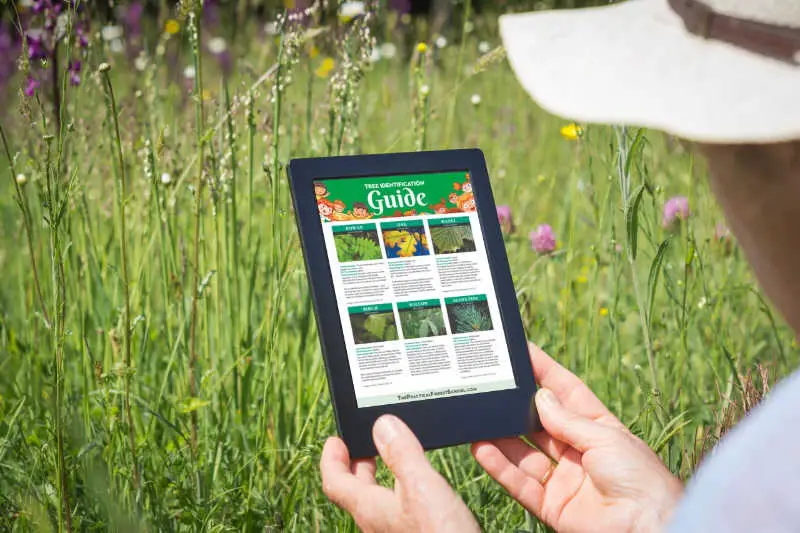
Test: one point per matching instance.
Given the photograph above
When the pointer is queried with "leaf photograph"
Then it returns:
(452, 239)
(409, 241)
(469, 317)
(422, 322)
(357, 246)
(374, 327)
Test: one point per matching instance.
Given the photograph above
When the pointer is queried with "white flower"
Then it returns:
(484, 47)
(501, 173)
(702, 303)
(424, 90)
(189, 72)
(468, 26)
(375, 55)
(21, 179)
(271, 28)
(388, 50)
(217, 45)
(111, 33)
(166, 179)
(140, 62)
(116, 46)
(350, 10)
(441, 41)
(476, 99)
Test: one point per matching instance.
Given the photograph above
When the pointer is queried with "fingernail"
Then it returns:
(546, 397)
(385, 430)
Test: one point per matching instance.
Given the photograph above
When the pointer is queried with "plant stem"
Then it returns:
(59, 287)
(194, 35)
(126, 322)
(22, 202)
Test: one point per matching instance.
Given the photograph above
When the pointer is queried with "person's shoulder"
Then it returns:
(749, 482)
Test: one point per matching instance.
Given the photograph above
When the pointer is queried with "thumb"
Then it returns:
(571, 428)
(399, 448)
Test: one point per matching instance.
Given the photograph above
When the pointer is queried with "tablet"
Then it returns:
(415, 304)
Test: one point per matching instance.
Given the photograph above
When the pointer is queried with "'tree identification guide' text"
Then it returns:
(413, 287)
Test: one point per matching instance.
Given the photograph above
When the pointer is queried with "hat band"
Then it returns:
(771, 40)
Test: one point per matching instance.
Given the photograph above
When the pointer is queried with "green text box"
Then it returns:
(347, 228)
(418, 304)
(402, 224)
(375, 308)
(448, 221)
(465, 299)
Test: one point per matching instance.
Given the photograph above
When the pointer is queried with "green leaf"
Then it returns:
(193, 404)
(632, 220)
(638, 145)
(655, 271)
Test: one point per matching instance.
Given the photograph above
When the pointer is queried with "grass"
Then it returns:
(159, 362)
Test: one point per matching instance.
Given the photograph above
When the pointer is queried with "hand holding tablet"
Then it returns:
(415, 305)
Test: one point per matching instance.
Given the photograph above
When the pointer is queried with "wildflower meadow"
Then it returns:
(159, 362)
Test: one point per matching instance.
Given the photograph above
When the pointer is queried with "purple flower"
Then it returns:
(36, 47)
(505, 218)
(543, 240)
(74, 73)
(676, 209)
(30, 86)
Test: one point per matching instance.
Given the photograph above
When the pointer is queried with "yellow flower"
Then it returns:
(582, 279)
(542, 178)
(172, 26)
(314, 52)
(422, 48)
(604, 311)
(324, 70)
(572, 132)
(206, 94)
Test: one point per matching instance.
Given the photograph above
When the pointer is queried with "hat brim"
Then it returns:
(634, 63)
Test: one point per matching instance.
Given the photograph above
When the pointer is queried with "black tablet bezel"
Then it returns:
(437, 422)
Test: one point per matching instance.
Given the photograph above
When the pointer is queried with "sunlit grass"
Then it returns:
(226, 385)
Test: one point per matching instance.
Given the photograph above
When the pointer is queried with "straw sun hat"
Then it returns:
(716, 71)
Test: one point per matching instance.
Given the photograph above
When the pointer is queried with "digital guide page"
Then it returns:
(413, 287)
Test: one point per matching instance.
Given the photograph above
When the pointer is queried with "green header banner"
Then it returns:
(356, 199)
(402, 224)
(376, 308)
(465, 299)
(347, 228)
(449, 221)
(418, 304)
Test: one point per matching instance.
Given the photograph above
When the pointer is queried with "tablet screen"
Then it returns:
(413, 287)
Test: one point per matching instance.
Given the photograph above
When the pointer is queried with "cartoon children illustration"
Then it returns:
(453, 198)
(320, 190)
(466, 187)
(440, 208)
(466, 202)
(325, 209)
(360, 211)
(339, 214)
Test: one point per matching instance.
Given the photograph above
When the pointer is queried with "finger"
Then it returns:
(339, 483)
(569, 427)
(552, 447)
(373, 507)
(400, 449)
(529, 460)
(523, 488)
(568, 388)
(364, 469)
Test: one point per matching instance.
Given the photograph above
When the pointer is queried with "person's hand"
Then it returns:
(422, 501)
(601, 477)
